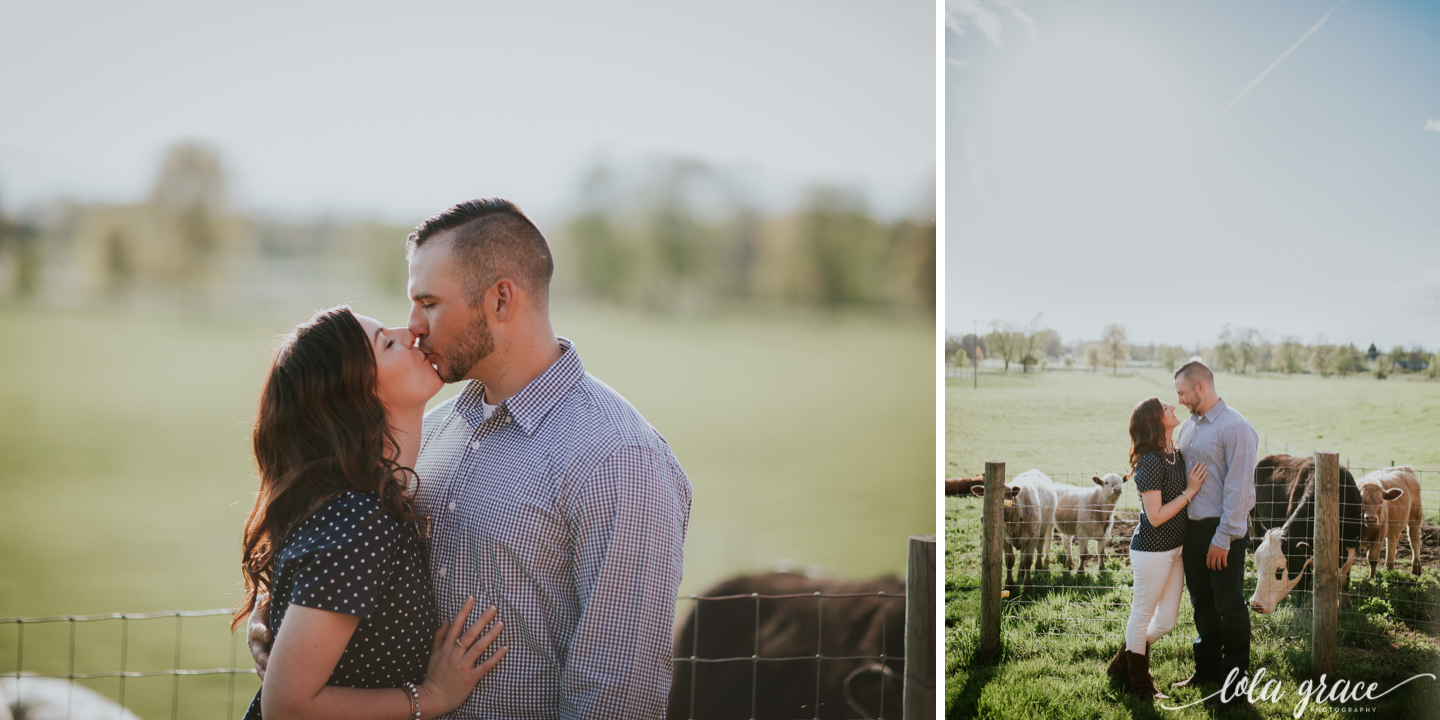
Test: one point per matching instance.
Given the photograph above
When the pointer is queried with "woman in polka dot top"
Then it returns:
(332, 540)
(1164, 489)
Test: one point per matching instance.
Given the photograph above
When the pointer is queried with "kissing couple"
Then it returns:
(513, 553)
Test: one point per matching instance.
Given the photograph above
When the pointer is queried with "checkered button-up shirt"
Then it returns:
(567, 511)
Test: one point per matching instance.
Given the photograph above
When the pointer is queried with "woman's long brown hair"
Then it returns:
(320, 430)
(1147, 429)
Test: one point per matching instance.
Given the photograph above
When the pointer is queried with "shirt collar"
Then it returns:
(529, 406)
(1215, 411)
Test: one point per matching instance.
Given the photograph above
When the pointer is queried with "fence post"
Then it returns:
(992, 554)
(1326, 602)
(919, 698)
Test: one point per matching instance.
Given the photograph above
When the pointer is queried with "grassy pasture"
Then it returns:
(1055, 653)
(125, 471)
(1079, 421)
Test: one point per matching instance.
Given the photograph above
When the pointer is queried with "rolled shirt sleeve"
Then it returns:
(628, 520)
(1239, 488)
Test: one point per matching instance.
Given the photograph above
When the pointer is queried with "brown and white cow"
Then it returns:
(1284, 522)
(1390, 498)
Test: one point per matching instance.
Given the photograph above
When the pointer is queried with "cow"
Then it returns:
(35, 698)
(800, 627)
(1284, 525)
(961, 486)
(1029, 518)
(1085, 514)
(1391, 503)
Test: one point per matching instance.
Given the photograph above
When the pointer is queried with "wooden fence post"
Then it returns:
(919, 698)
(992, 555)
(1326, 601)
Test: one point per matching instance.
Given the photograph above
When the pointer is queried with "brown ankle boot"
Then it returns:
(1140, 681)
(1120, 666)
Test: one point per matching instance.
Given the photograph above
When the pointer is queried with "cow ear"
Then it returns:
(1012, 491)
(1097, 480)
(1394, 493)
(977, 490)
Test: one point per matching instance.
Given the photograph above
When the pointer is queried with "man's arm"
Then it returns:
(628, 521)
(1239, 492)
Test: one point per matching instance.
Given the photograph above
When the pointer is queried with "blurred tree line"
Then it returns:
(682, 236)
(1235, 350)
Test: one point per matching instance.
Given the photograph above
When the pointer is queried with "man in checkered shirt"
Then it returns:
(547, 495)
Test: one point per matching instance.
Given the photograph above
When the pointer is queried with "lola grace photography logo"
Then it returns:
(1320, 692)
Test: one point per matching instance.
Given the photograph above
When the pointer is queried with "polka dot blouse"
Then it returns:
(1155, 472)
(351, 557)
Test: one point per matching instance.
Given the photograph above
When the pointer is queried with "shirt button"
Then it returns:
(475, 445)
(441, 572)
(451, 505)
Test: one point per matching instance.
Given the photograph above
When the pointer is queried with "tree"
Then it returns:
(22, 242)
(605, 264)
(842, 242)
(1289, 356)
(1034, 342)
(1398, 357)
(1418, 359)
(1320, 352)
(1247, 348)
(972, 344)
(188, 201)
(1345, 359)
(1093, 356)
(1003, 342)
(1171, 356)
(1227, 350)
(1114, 349)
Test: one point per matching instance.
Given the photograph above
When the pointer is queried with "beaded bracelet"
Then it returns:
(414, 698)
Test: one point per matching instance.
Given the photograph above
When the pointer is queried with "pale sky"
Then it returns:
(1174, 167)
(397, 110)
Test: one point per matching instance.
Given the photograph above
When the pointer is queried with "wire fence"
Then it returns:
(823, 654)
(857, 661)
(1370, 620)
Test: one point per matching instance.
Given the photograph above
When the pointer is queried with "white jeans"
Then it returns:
(1159, 578)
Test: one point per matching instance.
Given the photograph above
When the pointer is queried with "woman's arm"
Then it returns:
(1159, 514)
(306, 652)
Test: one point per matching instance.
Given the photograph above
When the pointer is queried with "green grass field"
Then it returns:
(125, 471)
(1079, 422)
(1054, 658)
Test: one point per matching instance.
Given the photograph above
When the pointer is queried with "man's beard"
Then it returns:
(471, 347)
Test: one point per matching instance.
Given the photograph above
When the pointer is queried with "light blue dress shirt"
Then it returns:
(1225, 441)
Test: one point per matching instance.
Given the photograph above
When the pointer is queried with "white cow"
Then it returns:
(32, 698)
(1085, 514)
(1029, 518)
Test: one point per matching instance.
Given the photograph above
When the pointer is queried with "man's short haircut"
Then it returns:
(492, 239)
(1194, 371)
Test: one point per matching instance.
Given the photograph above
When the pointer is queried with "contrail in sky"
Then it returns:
(1280, 59)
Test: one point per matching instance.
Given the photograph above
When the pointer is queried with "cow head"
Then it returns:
(1111, 482)
(1372, 498)
(1012, 512)
(1272, 564)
